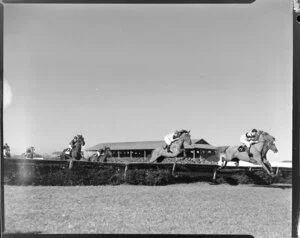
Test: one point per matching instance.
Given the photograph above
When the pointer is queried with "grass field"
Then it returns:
(198, 208)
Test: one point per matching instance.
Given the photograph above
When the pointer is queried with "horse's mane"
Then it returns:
(80, 139)
(260, 132)
(182, 132)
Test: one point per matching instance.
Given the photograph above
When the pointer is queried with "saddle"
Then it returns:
(166, 147)
(242, 148)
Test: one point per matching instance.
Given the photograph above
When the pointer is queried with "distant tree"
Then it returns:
(30, 152)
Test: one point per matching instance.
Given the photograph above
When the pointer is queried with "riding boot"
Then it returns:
(168, 149)
(249, 153)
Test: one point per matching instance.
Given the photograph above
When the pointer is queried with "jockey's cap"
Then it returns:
(248, 134)
(254, 130)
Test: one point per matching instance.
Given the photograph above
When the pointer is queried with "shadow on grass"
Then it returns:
(231, 180)
(21, 234)
(281, 186)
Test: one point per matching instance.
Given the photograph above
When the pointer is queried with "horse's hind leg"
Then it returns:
(153, 159)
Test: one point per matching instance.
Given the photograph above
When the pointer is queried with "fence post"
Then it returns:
(277, 170)
(215, 175)
(125, 172)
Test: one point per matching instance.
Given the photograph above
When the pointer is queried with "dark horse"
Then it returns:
(265, 142)
(176, 147)
(101, 156)
(6, 154)
(75, 153)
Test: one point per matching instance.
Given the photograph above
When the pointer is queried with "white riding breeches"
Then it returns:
(168, 139)
(244, 140)
(70, 147)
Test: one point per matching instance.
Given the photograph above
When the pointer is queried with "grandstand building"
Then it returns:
(199, 148)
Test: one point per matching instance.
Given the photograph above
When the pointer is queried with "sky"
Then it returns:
(138, 72)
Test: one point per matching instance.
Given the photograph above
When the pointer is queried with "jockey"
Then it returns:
(72, 143)
(248, 139)
(170, 138)
(100, 152)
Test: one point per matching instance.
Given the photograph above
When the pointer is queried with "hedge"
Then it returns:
(58, 173)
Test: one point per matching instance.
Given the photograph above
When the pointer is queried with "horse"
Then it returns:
(6, 151)
(102, 154)
(75, 153)
(176, 147)
(265, 142)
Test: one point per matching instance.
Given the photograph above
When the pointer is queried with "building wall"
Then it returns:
(199, 153)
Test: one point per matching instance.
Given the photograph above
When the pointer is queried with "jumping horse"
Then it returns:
(101, 155)
(265, 142)
(177, 147)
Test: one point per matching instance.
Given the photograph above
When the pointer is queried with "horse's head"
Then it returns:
(273, 147)
(185, 136)
(269, 141)
(80, 140)
(107, 151)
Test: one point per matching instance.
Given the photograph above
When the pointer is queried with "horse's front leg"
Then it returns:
(224, 164)
(71, 163)
(178, 159)
(265, 167)
(267, 164)
(105, 159)
(173, 170)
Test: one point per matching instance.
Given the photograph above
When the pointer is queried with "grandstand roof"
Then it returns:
(148, 145)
